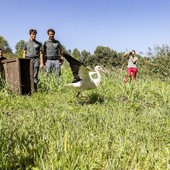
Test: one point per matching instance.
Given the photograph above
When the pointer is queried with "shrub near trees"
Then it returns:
(161, 60)
(156, 63)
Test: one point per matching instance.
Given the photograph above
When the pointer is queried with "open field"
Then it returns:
(116, 127)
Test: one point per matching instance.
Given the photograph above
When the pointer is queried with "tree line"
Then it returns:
(155, 63)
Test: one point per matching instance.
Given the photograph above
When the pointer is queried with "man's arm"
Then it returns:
(41, 59)
(44, 51)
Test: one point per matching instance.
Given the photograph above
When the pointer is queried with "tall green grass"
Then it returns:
(117, 126)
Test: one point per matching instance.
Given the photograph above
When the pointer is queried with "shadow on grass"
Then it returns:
(92, 99)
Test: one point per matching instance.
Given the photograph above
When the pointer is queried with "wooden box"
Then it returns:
(18, 74)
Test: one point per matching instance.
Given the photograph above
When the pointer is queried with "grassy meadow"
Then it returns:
(115, 127)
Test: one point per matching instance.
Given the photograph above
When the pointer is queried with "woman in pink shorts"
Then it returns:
(131, 68)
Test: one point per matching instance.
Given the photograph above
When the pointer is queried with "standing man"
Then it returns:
(33, 50)
(53, 53)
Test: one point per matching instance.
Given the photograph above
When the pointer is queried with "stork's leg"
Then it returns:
(82, 97)
(77, 101)
(78, 94)
(77, 97)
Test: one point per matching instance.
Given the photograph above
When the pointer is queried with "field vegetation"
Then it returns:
(114, 127)
(117, 126)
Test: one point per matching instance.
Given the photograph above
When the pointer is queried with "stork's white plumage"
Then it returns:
(83, 75)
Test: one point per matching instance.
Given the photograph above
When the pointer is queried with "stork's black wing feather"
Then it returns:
(75, 66)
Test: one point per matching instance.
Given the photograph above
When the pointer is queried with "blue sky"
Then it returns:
(85, 24)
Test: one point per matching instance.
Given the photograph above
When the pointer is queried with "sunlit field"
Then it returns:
(114, 127)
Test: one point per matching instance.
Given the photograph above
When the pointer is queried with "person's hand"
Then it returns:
(61, 62)
(41, 65)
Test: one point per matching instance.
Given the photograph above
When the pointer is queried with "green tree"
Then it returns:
(106, 56)
(76, 54)
(6, 48)
(19, 48)
(85, 56)
(4, 45)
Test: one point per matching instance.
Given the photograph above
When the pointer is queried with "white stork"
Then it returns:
(83, 75)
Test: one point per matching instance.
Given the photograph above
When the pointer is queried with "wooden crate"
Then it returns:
(19, 75)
